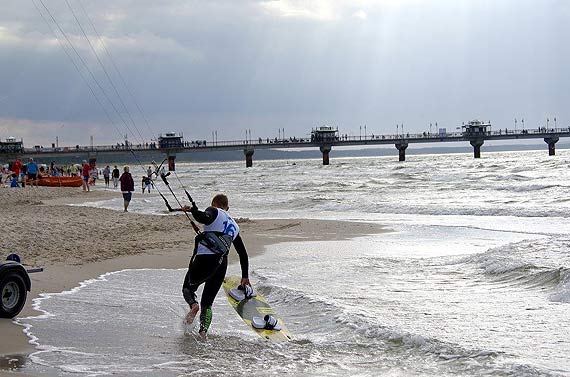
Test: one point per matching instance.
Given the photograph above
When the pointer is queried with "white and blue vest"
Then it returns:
(221, 232)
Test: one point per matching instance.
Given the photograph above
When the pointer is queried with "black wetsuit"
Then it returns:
(210, 269)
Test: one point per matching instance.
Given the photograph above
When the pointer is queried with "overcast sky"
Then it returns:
(230, 65)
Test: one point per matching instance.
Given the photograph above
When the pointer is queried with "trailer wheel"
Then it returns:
(13, 295)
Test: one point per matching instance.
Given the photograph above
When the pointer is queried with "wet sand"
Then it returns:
(75, 243)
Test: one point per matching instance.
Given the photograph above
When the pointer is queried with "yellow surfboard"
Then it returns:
(255, 306)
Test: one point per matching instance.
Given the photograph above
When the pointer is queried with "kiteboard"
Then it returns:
(256, 311)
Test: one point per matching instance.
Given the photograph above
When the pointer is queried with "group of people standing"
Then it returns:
(19, 173)
(125, 179)
(90, 175)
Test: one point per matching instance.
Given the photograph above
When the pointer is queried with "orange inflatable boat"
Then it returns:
(51, 181)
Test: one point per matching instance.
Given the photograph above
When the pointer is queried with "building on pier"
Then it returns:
(170, 144)
(324, 134)
(11, 146)
(170, 141)
(476, 128)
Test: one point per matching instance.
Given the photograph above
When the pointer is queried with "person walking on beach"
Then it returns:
(33, 172)
(116, 174)
(127, 187)
(85, 174)
(146, 183)
(209, 262)
(107, 175)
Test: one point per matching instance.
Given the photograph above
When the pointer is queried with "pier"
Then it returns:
(323, 138)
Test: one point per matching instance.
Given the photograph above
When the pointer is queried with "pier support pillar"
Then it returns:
(171, 164)
(551, 141)
(325, 150)
(476, 143)
(402, 151)
(170, 151)
(248, 152)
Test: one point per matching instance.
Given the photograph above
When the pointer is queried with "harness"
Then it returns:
(218, 242)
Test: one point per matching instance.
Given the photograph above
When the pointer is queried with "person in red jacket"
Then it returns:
(127, 186)
(85, 175)
(17, 167)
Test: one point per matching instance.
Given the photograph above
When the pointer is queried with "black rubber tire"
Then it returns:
(12, 295)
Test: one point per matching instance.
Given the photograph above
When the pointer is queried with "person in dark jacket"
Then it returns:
(116, 175)
(127, 186)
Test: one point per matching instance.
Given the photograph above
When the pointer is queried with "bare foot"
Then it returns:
(192, 313)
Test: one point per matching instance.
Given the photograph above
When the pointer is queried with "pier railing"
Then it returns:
(307, 141)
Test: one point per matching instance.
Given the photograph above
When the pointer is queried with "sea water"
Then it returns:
(472, 279)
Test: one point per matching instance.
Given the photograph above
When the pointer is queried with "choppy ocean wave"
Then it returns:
(501, 184)
(531, 187)
(562, 290)
(538, 264)
(383, 206)
(329, 323)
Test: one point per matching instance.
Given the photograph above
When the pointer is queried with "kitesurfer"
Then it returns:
(210, 259)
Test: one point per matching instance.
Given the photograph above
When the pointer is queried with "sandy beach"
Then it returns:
(76, 243)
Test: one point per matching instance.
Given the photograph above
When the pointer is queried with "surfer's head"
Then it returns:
(221, 201)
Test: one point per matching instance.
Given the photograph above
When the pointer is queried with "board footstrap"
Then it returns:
(242, 292)
(266, 323)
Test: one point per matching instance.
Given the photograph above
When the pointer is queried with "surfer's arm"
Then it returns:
(203, 217)
(243, 259)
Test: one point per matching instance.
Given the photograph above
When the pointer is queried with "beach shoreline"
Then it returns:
(78, 243)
